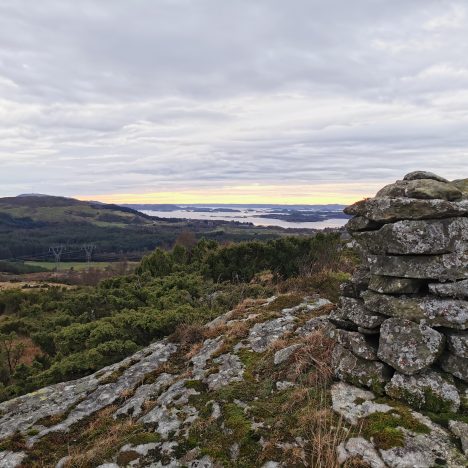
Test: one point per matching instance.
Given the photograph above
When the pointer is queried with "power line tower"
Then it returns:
(57, 251)
(88, 248)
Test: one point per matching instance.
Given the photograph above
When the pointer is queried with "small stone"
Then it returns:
(416, 175)
(432, 237)
(460, 429)
(394, 285)
(455, 365)
(457, 342)
(428, 390)
(284, 354)
(284, 385)
(356, 342)
(358, 371)
(458, 289)
(360, 448)
(451, 313)
(355, 311)
(321, 323)
(407, 346)
(389, 210)
(443, 267)
(263, 334)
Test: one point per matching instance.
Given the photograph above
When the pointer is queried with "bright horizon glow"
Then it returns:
(249, 194)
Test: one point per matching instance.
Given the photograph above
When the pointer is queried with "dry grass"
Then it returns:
(188, 334)
(238, 330)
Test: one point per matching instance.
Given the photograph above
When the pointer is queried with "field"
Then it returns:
(79, 266)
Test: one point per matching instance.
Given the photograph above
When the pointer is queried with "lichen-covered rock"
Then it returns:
(455, 365)
(434, 311)
(421, 189)
(393, 285)
(230, 370)
(416, 237)
(457, 342)
(460, 429)
(263, 334)
(407, 346)
(457, 289)
(10, 459)
(359, 283)
(428, 390)
(284, 354)
(355, 311)
(462, 185)
(389, 210)
(360, 448)
(360, 223)
(443, 267)
(354, 403)
(357, 371)
(416, 175)
(356, 342)
(321, 323)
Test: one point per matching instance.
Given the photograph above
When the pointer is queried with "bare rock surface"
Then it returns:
(392, 285)
(455, 365)
(458, 289)
(359, 344)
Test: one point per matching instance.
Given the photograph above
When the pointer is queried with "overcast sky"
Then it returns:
(230, 100)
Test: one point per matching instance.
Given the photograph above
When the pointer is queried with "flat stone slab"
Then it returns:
(434, 311)
(426, 189)
(445, 267)
(393, 285)
(430, 237)
(359, 344)
(455, 365)
(355, 311)
(428, 390)
(389, 210)
(407, 346)
(457, 289)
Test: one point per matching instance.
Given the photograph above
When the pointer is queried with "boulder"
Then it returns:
(462, 185)
(357, 371)
(429, 390)
(456, 289)
(407, 346)
(356, 342)
(434, 311)
(457, 342)
(455, 365)
(394, 285)
(444, 267)
(417, 175)
(389, 210)
(355, 311)
(432, 189)
(416, 237)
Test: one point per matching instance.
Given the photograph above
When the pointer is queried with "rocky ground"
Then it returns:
(252, 388)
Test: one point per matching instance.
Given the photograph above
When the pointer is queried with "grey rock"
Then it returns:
(360, 223)
(230, 370)
(361, 448)
(455, 365)
(451, 313)
(407, 346)
(321, 323)
(263, 334)
(424, 450)
(443, 267)
(284, 354)
(457, 342)
(416, 175)
(421, 189)
(284, 385)
(427, 390)
(355, 311)
(462, 185)
(389, 210)
(359, 283)
(458, 289)
(10, 459)
(356, 342)
(394, 285)
(357, 371)
(416, 237)
(199, 361)
(460, 429)
(338, 318)
(353, 403)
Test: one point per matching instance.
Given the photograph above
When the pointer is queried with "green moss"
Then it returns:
(196, 385)
(285, 302)
(385, 428)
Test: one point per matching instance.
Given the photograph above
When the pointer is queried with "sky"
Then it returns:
(230, 101)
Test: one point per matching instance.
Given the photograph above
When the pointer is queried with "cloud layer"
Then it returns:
(118, 97)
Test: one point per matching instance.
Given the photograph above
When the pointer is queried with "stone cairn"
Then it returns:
(401, 325)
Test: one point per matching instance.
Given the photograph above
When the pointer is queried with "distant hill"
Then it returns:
(32, 223)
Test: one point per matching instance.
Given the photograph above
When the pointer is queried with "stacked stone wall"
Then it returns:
(401, 325)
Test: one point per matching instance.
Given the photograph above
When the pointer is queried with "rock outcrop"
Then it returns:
(411, 297)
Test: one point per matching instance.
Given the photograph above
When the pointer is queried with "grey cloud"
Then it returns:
(109, 96)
